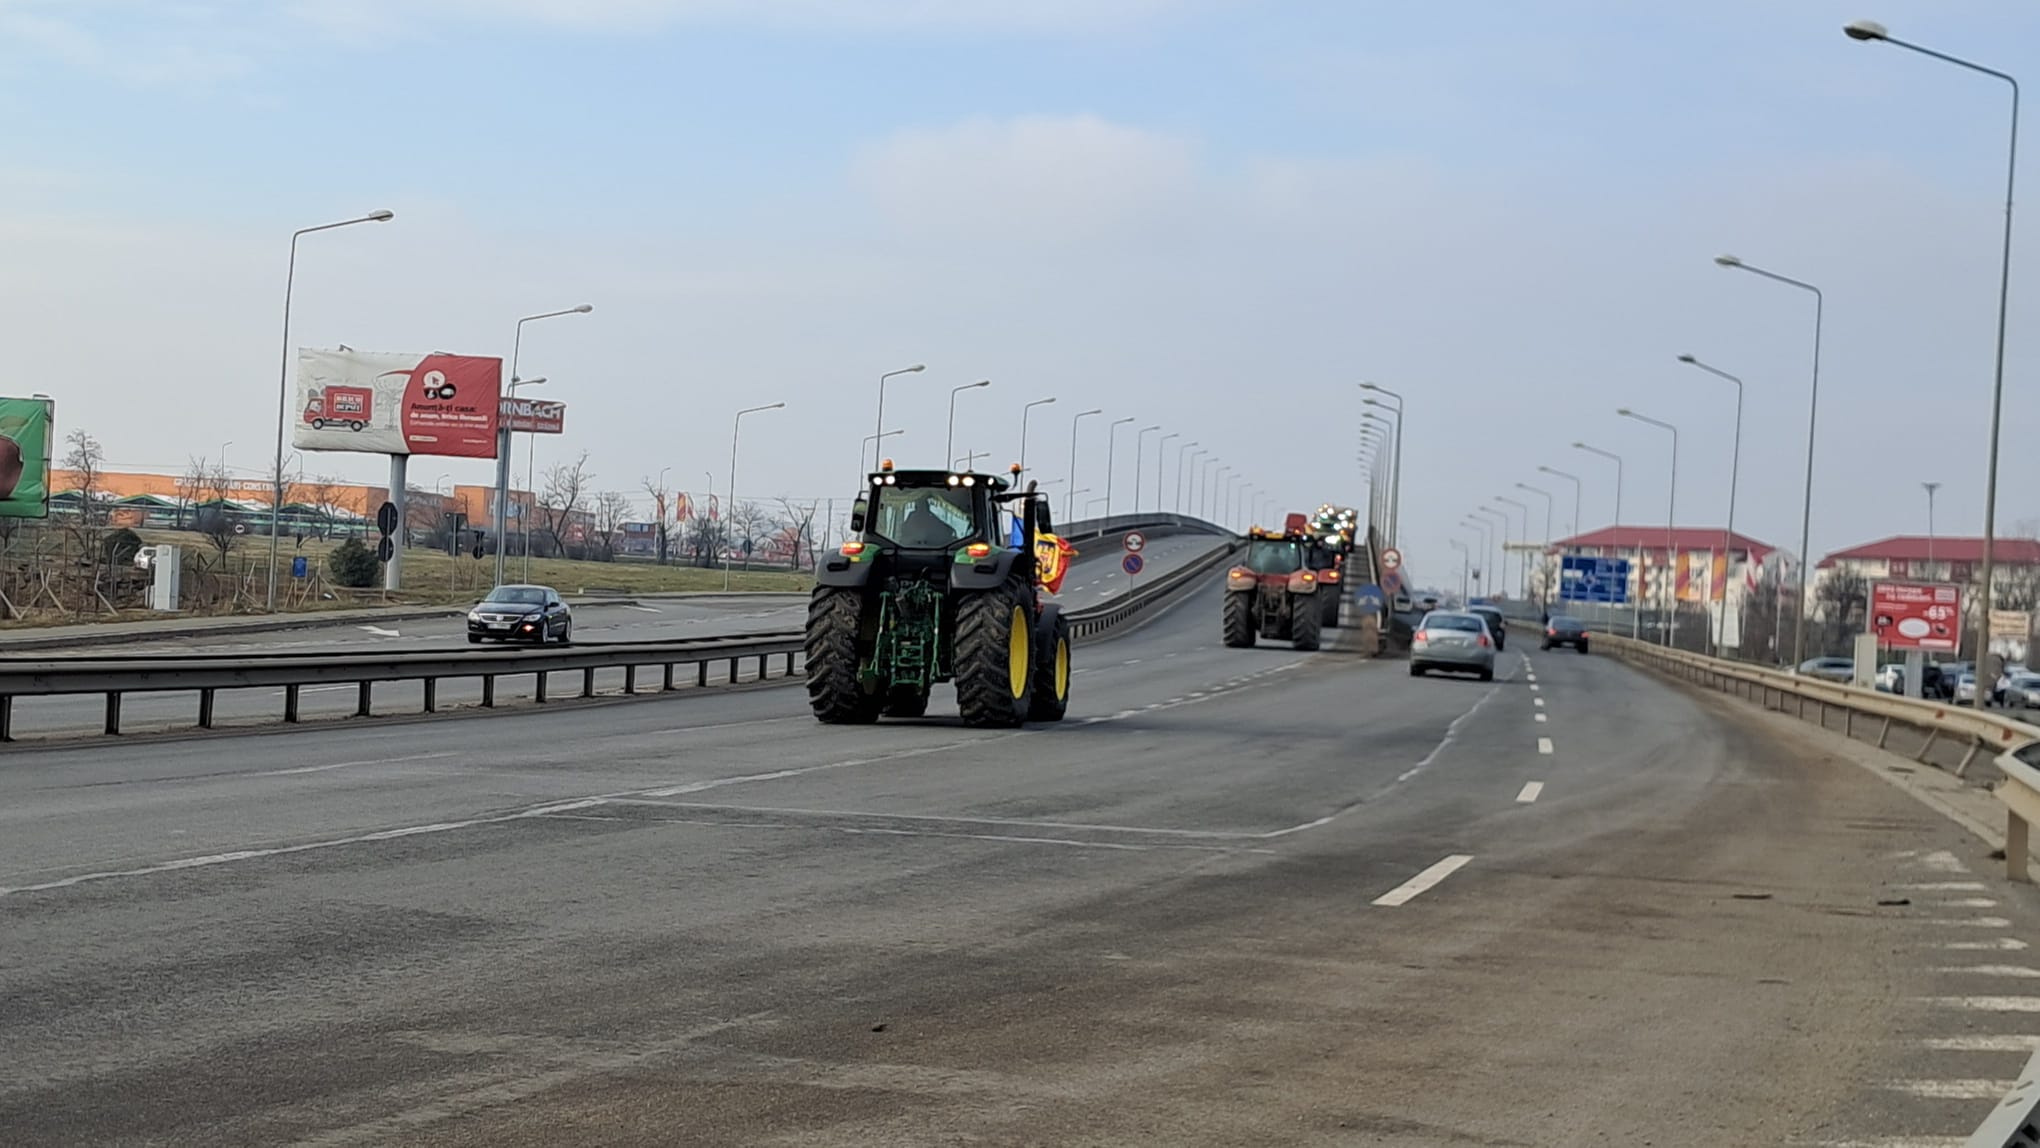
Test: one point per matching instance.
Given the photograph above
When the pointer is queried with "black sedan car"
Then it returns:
(1497, 625)
(1560, 630)
(521, 614)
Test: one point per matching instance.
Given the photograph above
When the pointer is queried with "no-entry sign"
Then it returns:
(1916, 615)
(1133, 541)
(1391, 559)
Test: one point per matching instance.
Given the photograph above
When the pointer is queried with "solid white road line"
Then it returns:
(1402, 894)
(342, 765)
(1982, 1043)
(1967, 1089)
(1891, 1142)
(1987, 1004)
(1530, 791)
(1543, 745)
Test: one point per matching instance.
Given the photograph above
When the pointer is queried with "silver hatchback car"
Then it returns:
(1448, 640)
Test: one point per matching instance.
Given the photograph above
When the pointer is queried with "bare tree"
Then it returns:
(86, 460)
(565, 485)
(321, 493)
(800, 528)
(659, 513)
(705, 537)
(750, 524)
(190, 488)
(216, 520)
(611, 509)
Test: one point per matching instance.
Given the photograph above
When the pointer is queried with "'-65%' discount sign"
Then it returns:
(1916, 615)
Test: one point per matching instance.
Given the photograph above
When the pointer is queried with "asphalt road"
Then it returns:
(1094, 577)
(1239, 898)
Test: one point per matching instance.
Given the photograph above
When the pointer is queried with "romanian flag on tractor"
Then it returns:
(1052, 557)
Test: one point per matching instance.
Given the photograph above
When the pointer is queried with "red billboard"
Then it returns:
(534, 416)
(1916, 615)
(381, 403)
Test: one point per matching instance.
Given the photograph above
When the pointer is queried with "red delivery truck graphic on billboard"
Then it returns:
(338, 406)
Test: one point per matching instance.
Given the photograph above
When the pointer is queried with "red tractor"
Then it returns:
(1273, 593)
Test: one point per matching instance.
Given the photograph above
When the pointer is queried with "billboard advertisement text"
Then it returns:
(534, 416)
(27, 428)
(380, 403)
(1916, 615)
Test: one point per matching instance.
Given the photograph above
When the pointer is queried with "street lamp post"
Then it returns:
(1574, 529)
(1200, 487)
(737, 426)
(1544, 555)
(1161, 456)
(949, 444)
(1465, 563)
(1139, 446)
(878, 427)
(1487, 549)
(505, 440)
(1024, 412)
(1111, 446)
(1671, 575)
(1812, 418)
(283, 389)
(1727, 531)
(660, 509)
(1501, 537)
(1866, 30)
(1080, 417)
(1635, 603)
(1395, 476)
(1522, 557)
(1189, 452)
(1930, 488)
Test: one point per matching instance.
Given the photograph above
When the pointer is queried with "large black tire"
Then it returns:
(907, 702)
(1238, 628)
(995, 655)
(1303, 621)
(835, 617)
(1328, 608)
(1051, 698)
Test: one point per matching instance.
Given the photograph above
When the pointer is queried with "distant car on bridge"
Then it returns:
(1560, 630)
(1451, 640)
(1841, 670)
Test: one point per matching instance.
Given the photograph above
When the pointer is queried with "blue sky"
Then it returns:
(1216, 216)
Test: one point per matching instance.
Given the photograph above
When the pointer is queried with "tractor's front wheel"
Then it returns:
(835, 618)
(1238, 628)
(1052, 676)
(1328, 608)
(1303, 621)
(995, 655)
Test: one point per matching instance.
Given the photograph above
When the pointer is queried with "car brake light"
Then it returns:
(1419, 638)
(1483, 639)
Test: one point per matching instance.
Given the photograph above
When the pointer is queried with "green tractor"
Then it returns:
(942, 583)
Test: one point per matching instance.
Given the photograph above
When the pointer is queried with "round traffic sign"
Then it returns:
(1133, 541)
(1132, 563)
(1391, 559)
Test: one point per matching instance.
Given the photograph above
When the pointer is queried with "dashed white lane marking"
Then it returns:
(1994, 945)
(1403, 893)
(348, 764)
(1890, 1142)
(1987, 1004)
(1538, 702)
(1533, 687)
(379, 632)
(1993, 971)
(1968, 1089)
(1529, 792)
(1543, 745)
(1942, 861)
(1945, 886)
(1965, 903)
(1971, 922)
(645, 609)
(1982, 1043)
(1539, 717)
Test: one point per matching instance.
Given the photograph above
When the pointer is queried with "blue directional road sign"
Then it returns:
(1582, 578)
(1132, 563)
(1369, 598)
(299, 568)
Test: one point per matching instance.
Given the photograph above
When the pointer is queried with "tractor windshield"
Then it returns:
(923, 518)
(1274, 556)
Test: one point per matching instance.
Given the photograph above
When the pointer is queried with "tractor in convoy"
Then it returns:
(947, 579)
(1330, 533)
(1273, 592)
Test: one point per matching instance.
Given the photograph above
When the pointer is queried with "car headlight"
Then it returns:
(474, 616)
(534, 616)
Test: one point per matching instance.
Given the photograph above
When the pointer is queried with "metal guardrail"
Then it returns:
(207, 673)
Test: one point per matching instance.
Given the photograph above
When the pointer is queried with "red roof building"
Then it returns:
(1620, 541)
(1910, 549)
